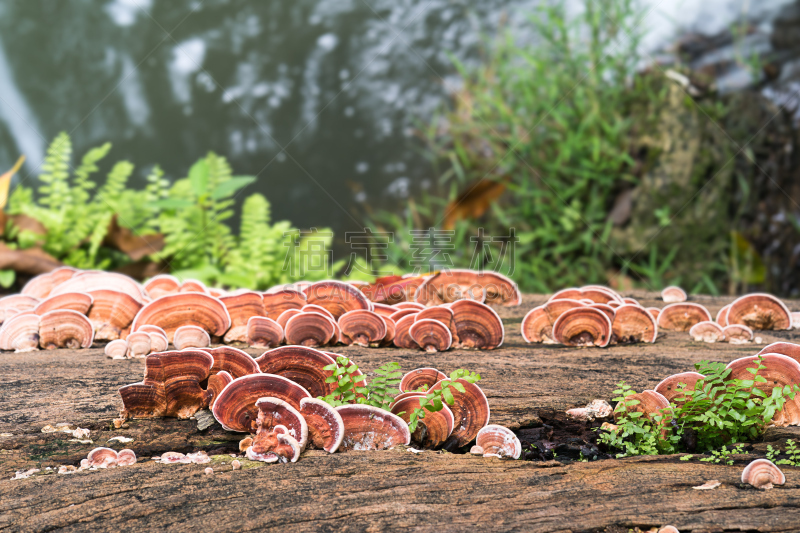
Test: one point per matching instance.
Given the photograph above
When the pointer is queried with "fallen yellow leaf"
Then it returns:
(5, 181)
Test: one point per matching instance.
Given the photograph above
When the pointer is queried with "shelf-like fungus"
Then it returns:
(633, 323)
(722, 316)
(455, 284)
(241, 307)
(274, 445)
(583, 326)
(282, 300)
(478, 326)
(40, 286)
(235, 362)
(336, 296)
(64, 328)
(263, 332)
(276, 412)
(400, 313)
(363, 327)
(191, 337)
(371, 428)
(391, 328)
(763, 474)
(760, 311)
(325, 424)
(737, 334)
(102, 458)
(303, 365)
(784, 348)
(309, 329)
(91, 280)
(498, 440)
(470, 410)
(432, 430)
(75, 301)
(671, 388)
(112, 312)
(126, 457)
(779, 371)
(419, 378)
(284, 317)
(650, 404)
(673, 294)
(193, 285)
(235, 408)
(216, 384)
(20, 333)
(402, 337)
(158, 341)
(595, 293)
(431, 335)
(184, 309)
(707, 331)
(536, 326)
(161, 285)
(117, 349)
(682, 316)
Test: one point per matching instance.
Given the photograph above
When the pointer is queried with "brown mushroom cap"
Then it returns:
(442, 314)
(760, 311)
(607, 309)
(184, 371)
(147, 398)
(400, 313)
(64, 328)
(633, 323)
(737, 334)
(421, 377)
(707, 331)
(651, 403)
(309, 329)
(313, 308)
(126, 457)
(191, 337)
(41, 285)
(325, 424)
(16, 303)
(116, 349)
(162, 284)
(139, 343)
(383, 309)
(763, 474)
(263, 332)
(654, 311)
(20, 333)
(336, 296)
(282, 300)
(471, 412)
(478, 326)
(669, 386)
(158, 341)
(583, 326)
(216, 384)
(284, 317)
(371, 428)
(89, 281)
(682, 316)
(784, 348)
(432, 430)
(390, 331)
(364, 327)
(233, 361)
(111, 312)
(184, 309)
(554, 308)
(241, 307)
(193, 285)
(102, 458)
(536, 326)
(407, 305)
(499, 440)
(304, 366)
(722, 316)
(455, 284)
(274, 445)
(673, 294)
(76, 301)
(402, 336)
(404, 395)
(235, 407)
(597, 294)
(780, 371)
(274, 412)
(431, 335)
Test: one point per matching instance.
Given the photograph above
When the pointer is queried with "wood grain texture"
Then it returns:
(378, 491)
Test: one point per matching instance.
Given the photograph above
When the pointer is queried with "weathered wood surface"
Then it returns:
(380, 490)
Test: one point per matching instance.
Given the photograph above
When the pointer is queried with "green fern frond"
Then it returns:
(83, 182)
(55, 172)
(108, 196)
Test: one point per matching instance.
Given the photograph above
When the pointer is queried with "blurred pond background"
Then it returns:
(324, 101)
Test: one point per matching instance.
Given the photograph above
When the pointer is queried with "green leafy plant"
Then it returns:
(792, 453)
(717, 413)
(723, 455)
(435, 399)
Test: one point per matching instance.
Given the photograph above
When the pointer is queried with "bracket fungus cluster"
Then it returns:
(589, 316)
(762, 474)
